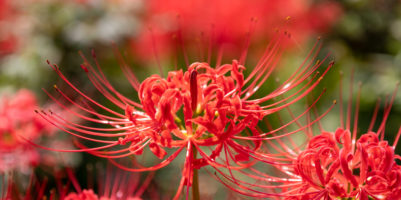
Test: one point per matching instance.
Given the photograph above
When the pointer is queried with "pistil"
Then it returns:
(194, 90)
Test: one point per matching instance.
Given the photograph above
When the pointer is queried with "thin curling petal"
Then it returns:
(157, 150)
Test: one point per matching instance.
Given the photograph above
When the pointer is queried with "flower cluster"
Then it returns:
(225, 110)
(213, 114)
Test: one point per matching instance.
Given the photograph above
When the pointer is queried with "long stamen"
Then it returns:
(341, 100)
(348, 122)
(248, 40)
(372, 122)
(397, 138)
(355, 129)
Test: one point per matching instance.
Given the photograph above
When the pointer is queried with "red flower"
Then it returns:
(210, 112)
(112, 184)
(338, 165)
(115, 184)
(18, 119)
(84, 195)
(226, 22)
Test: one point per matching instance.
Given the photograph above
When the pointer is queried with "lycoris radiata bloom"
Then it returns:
(342, 165)
(209, 113)
(111, 184)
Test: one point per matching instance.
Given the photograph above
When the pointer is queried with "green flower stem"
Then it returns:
(195, 179)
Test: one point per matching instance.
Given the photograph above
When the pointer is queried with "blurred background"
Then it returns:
(363, 36)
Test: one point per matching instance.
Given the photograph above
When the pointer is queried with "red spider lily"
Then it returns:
(18, 119)
(226, 22)
(115, 185)
(10, 188)
(211, 112)
(338, 165)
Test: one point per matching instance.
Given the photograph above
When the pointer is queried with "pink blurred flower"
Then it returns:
(18, 119)
(225, 23)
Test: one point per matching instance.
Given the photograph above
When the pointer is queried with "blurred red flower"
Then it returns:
(171, 24)
(18, 119)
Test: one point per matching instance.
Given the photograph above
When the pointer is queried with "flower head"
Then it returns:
(211, 112)
(341, 165)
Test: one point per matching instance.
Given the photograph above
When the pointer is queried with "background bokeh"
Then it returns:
(363, 36)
